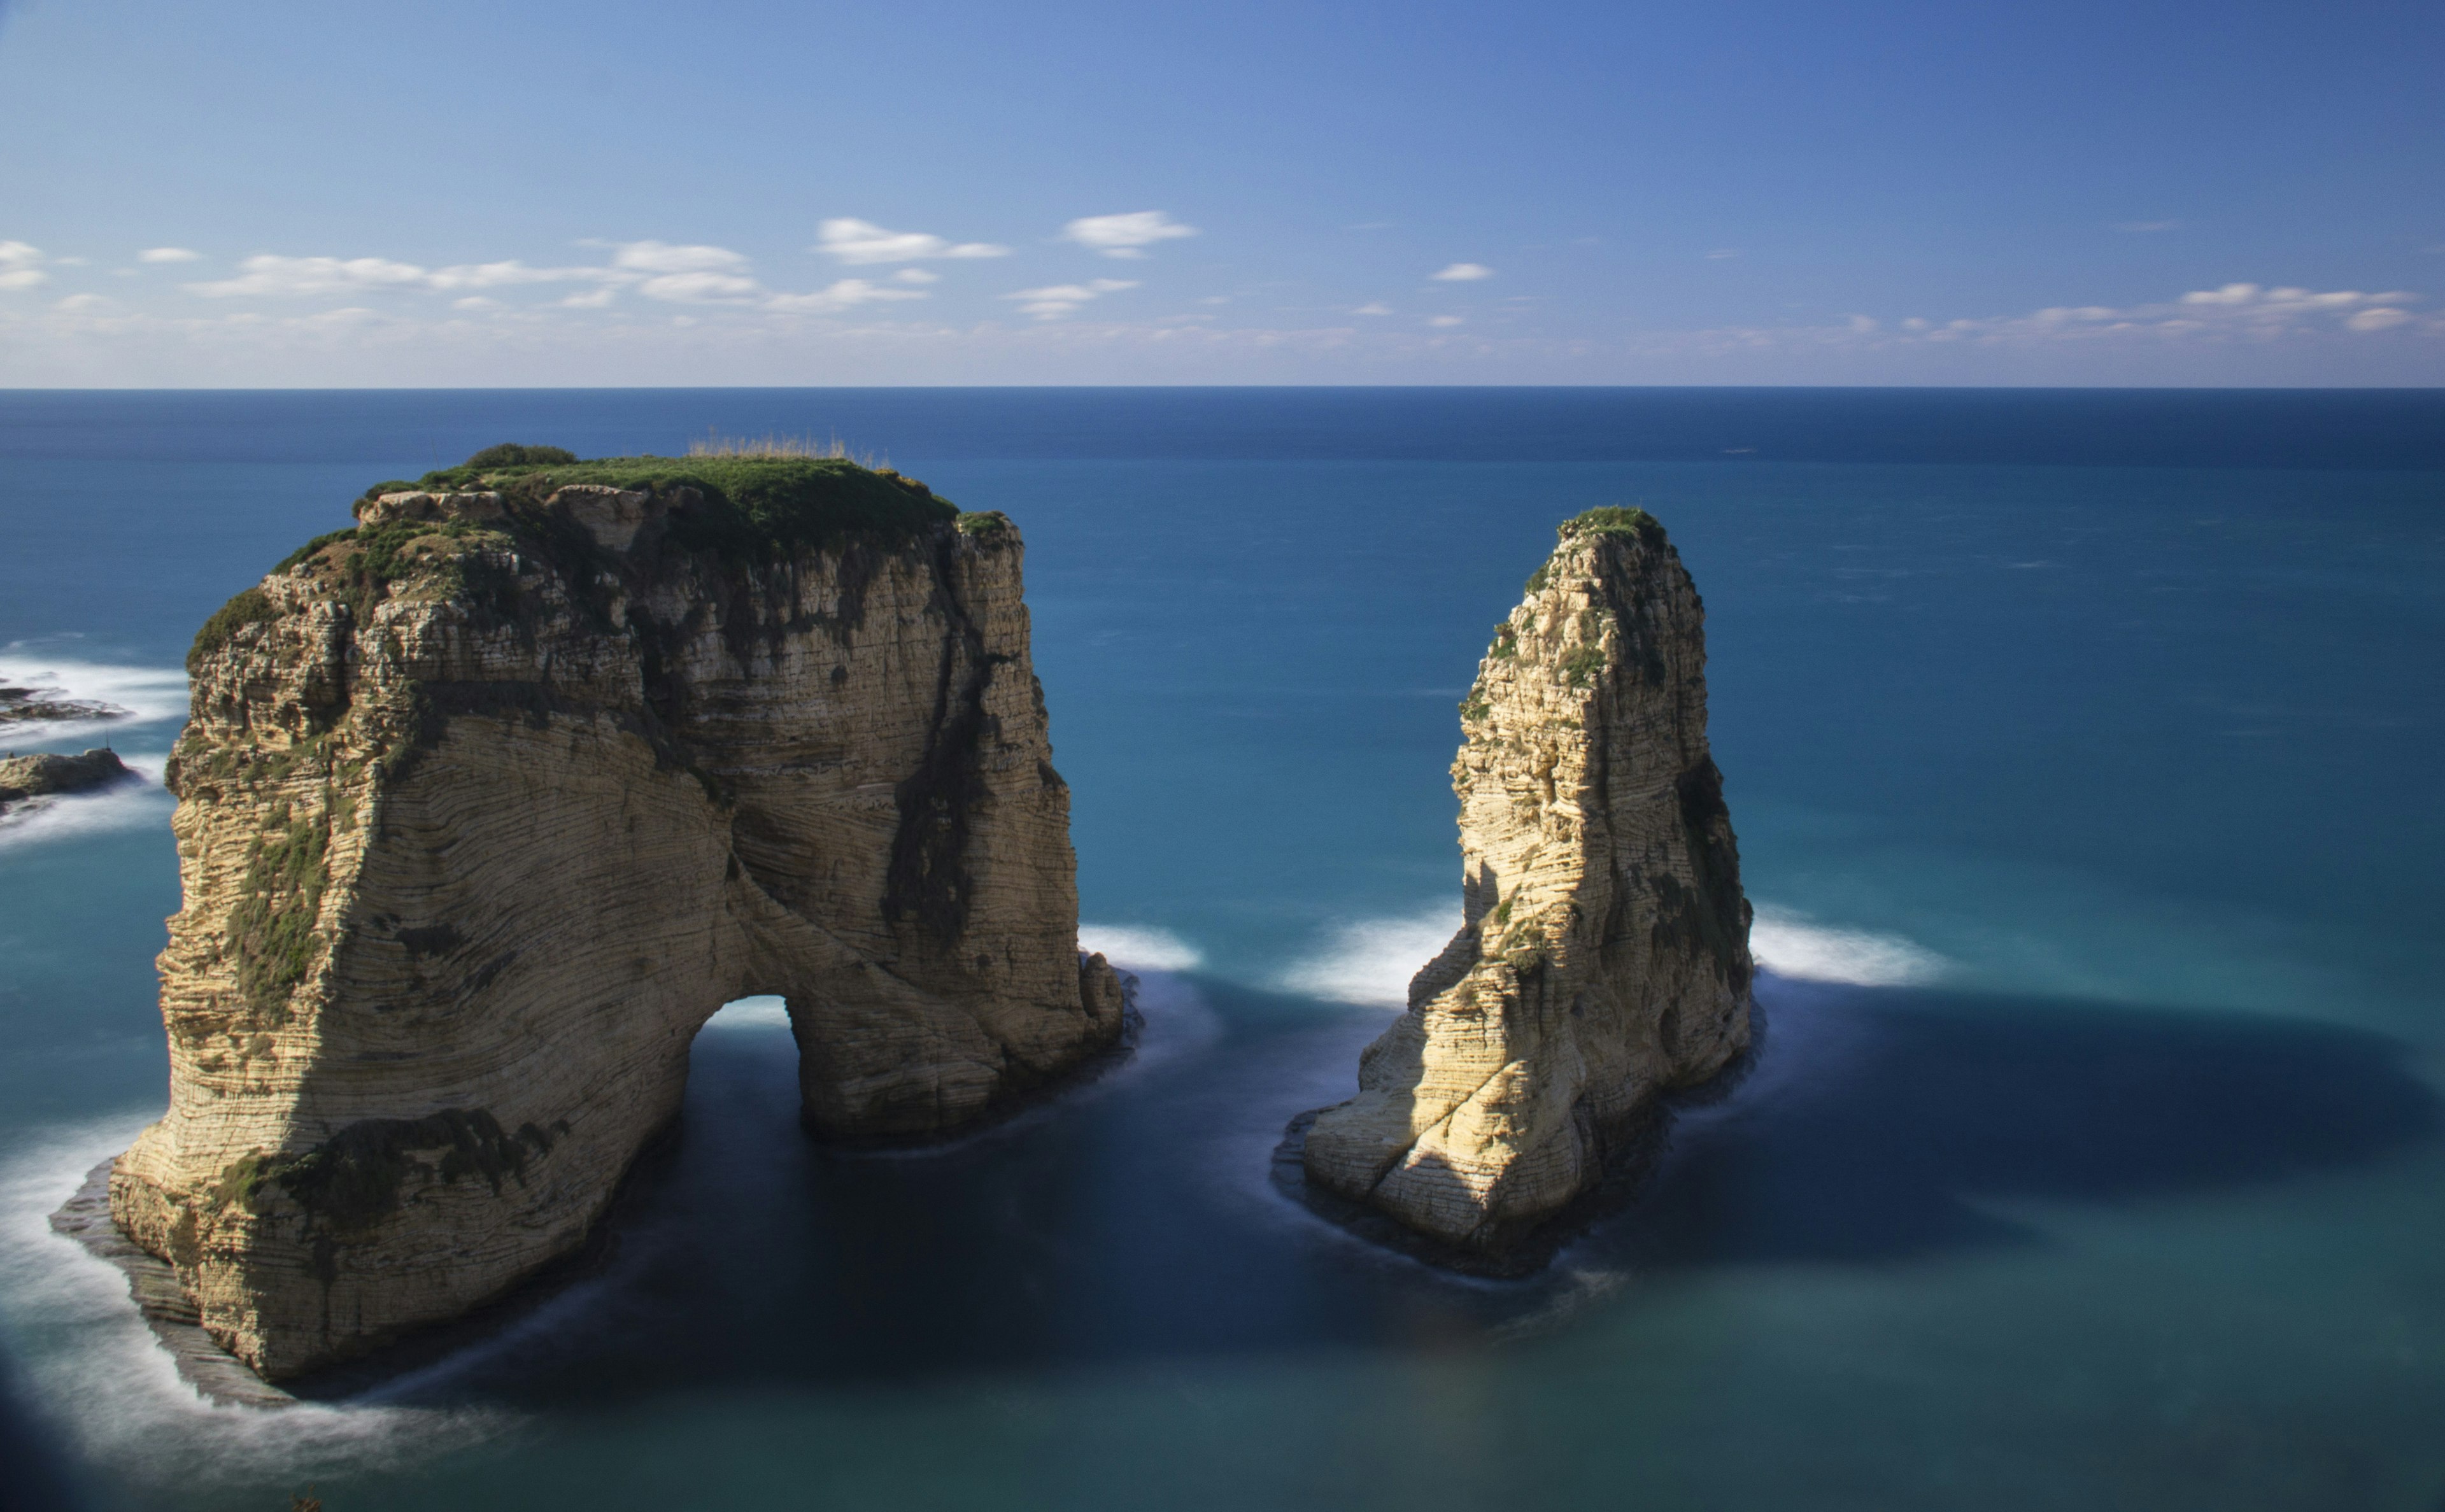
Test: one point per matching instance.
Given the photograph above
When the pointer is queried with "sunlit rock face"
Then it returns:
(487, 806)
(1604, 955)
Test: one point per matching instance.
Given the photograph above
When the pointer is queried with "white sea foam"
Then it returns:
(1789, 944)
(1371, 960)
(74, 815)
(147, 693)
(1134, 948)
(112, 1392)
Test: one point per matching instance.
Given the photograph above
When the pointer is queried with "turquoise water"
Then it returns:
(2083, 751)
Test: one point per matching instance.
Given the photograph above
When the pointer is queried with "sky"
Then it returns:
(542, 192)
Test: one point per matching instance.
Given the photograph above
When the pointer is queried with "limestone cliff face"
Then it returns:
(1604, 957)
(486, 806)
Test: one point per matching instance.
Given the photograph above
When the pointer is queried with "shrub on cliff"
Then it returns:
(510, 453)
(249, 608)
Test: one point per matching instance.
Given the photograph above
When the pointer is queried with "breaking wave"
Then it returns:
(1788, 944)
(1370, 961)
(1135, 949)
(113, 1393)
(73, 815)
(147, 693)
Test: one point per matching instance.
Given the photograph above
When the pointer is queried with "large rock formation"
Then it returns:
(1604, 954)
(486, 804)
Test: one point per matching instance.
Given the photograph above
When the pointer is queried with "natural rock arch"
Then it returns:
(488, 805)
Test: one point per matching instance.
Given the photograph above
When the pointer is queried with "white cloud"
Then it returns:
(167, 255)
(1444, 320)
(679, 274)
(839, 296)
(1060, 299)
(2383, 317)
(917, 276)
(21, 265)
(274, 276)
(83, 304)
(1373, 307)
(1464, 273)
(1126, 235)
(474, 301)
(862, 241)
(700, 287)
(662, 257)
(268, 273)
(497, 275)
(2230, 312)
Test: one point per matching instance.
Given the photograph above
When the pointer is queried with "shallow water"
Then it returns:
(2082, 749)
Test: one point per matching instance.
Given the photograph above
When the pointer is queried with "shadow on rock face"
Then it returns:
(1141, 1222)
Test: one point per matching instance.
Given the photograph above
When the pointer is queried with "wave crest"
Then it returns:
(1788, 944)
(1139, 948)
(1370, 961)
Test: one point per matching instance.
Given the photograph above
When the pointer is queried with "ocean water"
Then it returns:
(2084, 753)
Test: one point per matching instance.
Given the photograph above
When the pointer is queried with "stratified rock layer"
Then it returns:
(1604, 957)
(488, 805)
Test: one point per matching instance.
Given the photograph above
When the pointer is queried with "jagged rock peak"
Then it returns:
(1604, 955)
(487, 803)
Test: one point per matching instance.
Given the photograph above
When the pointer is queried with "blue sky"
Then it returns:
(949, 192)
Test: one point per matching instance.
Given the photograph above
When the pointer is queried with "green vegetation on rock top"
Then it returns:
(752, 505)
(1613, 519)
(753, 509)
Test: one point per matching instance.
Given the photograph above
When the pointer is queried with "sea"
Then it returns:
(2084, 750)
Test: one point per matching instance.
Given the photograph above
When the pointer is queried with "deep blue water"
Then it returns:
(2083, 751)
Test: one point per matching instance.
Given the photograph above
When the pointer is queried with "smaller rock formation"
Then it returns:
(1604, 955)
(41, 775)
(43, 706)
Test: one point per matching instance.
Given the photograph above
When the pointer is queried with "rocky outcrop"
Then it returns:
(43, 706)
(41, 775)
(1604, 954)
(486, 804)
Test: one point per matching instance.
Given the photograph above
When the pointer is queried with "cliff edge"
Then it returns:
(1604, 955)
(486, 804)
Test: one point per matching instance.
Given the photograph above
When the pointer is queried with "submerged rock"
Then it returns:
(488, 804)
(40, 775)
(1604, 955)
